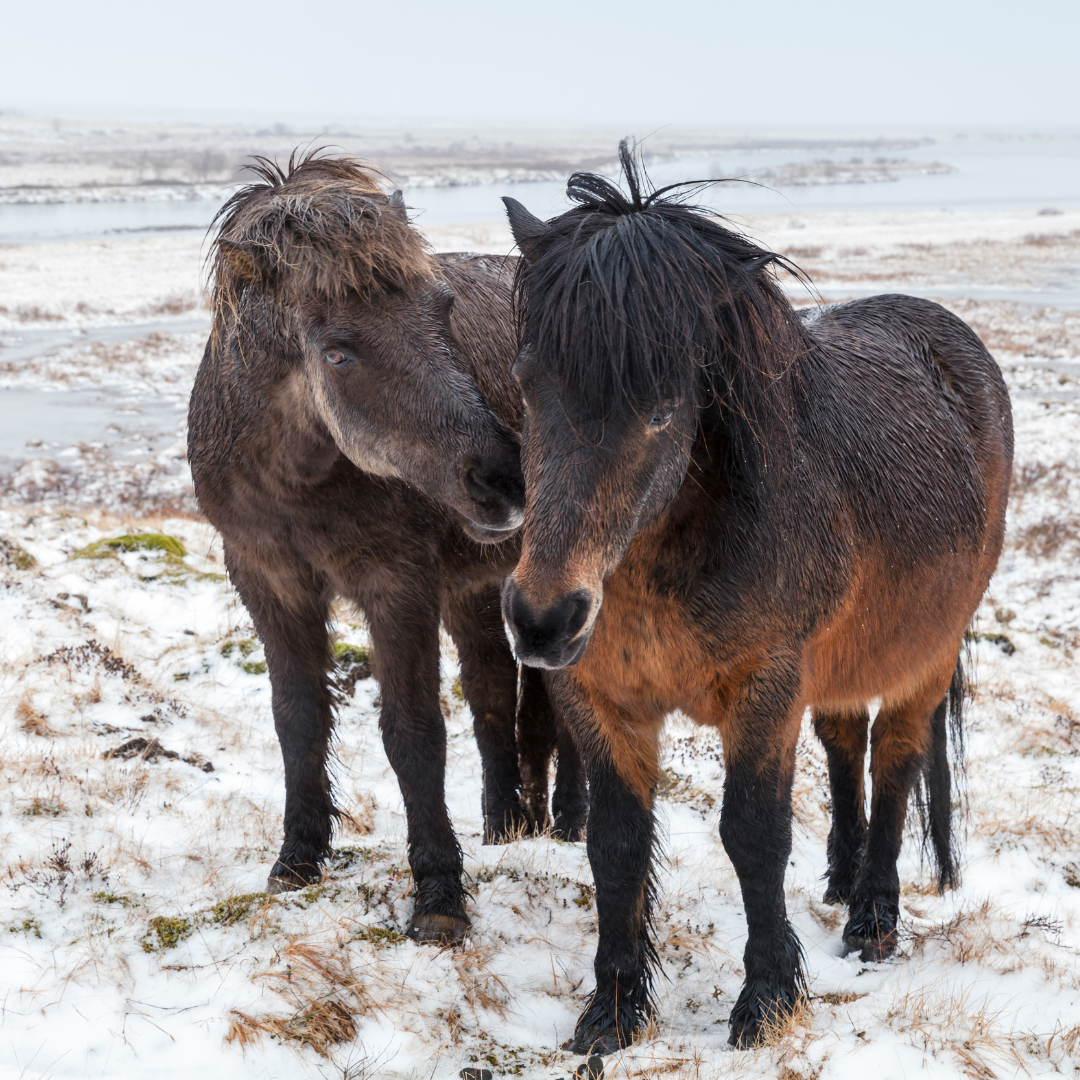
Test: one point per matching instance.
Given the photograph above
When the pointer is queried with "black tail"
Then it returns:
(934, 791)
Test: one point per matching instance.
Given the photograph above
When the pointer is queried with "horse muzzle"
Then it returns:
(555, 637)
(492, 497)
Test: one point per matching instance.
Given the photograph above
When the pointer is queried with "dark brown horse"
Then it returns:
(740, 512)
(352, 432)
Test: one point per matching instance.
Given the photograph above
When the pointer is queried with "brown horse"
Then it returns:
(740, 512)
(352, 432)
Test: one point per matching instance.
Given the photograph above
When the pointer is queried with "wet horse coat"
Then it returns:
(740, 512)
(351, 434)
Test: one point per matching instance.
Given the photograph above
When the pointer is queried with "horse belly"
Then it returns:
(894, 631)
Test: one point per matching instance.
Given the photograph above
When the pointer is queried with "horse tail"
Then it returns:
(934, 792)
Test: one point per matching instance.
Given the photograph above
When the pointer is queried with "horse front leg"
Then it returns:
(844, 738)
(755, 827)
(621, 758)
(489, 683)
(295, 638)
(403, 619)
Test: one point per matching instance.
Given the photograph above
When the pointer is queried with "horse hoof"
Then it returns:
(568, 833)
(436, 929)
(505, 828)
(283, 879)
(871, 950)
(744, 1036)
(835, 895)
(593, 1069)
(595, 1042)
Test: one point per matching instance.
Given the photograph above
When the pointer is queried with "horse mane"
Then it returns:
(321, 226)
(638, 296)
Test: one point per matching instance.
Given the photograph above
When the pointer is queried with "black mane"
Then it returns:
(637, 297)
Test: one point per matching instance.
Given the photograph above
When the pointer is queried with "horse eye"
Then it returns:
(662, 417)
(336, 357)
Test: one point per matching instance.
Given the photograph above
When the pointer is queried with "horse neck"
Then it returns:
(270, 413)
(482, 322)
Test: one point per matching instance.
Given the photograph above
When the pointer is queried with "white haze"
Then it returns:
(840, 63)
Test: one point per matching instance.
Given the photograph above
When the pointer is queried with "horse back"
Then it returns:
(909, 413)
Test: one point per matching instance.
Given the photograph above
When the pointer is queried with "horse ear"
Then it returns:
(241, 260)
(526, 227)
(754, 265)
(396, 202)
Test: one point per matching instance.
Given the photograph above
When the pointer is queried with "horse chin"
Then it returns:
(552, 659)
(484, 534)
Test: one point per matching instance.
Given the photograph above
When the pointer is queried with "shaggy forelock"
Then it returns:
(636, 298)
(319, 228)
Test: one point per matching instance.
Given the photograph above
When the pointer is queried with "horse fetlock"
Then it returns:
(609, 1023)
(506, 823)
(871, 928)
(762, 1006)
(570, 825)
(439, 916)
(293, 871)
(840, 886)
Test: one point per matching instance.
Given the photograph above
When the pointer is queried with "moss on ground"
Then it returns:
(236, 908)
(106, 897)
(346, 654)
(15, 555)
(108, 548)
(165, 932)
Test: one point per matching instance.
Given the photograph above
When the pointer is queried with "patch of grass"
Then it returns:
(108, 548)
(379, 936)
(15, 556)
(1003, 643)
(27, 926)
(836, 997)
(321, 1025)
(33, 723)
(38, 807)
(346, 654)
(241, 650)
(164, 932)
(457, 691)
(345, 857)
(106, 897)
(236, 908)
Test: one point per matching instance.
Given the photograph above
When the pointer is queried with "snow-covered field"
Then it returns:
(141, 789)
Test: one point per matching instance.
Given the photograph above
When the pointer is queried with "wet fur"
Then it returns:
(314, 250)
(814, 525)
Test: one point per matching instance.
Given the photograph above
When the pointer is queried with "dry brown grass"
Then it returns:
(324, 991)
(1049, 537)
(483, 989)
(320, 1025)
(30, 721)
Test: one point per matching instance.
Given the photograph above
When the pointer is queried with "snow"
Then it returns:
(134, 938)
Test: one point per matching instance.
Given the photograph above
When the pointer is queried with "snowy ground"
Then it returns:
(141, 790)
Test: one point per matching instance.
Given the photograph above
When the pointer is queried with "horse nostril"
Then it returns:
(550, 636)
(496, 486)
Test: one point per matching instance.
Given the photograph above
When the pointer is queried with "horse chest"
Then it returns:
(645, 650)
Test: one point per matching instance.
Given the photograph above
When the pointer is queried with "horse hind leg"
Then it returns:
(489, 683)
(536, 735)
(541, 730)
(899, 743)
(570, 801)
(844, 738)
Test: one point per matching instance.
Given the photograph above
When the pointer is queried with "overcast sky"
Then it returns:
(751, 64)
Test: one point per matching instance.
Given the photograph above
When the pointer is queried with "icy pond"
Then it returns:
(987, 173)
